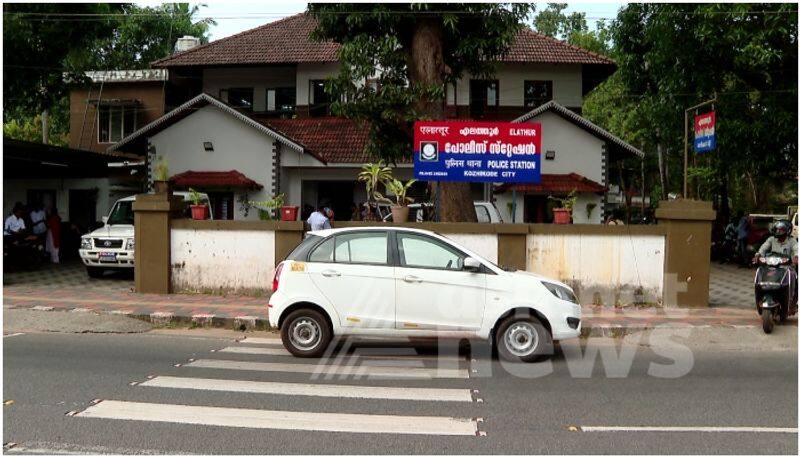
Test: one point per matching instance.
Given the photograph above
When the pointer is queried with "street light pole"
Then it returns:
(686, 143)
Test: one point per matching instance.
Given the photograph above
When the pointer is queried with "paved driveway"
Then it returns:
(68, 275)
(731, 286)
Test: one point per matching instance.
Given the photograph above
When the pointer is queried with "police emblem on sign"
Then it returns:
(429, 151)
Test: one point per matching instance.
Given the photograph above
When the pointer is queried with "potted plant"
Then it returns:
(563, 214)
(400, 210)
(161, 176)
(199, 208)
(373, 174)
(265, 208)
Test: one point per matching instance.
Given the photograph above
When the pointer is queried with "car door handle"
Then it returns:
(412, 278)
(331, 273)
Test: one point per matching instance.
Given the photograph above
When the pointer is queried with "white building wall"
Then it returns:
(567, 83)
(222, 260)
(605, 269)
(310, 71)
(259, 78)
(577, 151)
(237, 146)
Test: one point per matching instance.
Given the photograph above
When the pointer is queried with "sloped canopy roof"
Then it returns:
(232, 178)
(556, 184)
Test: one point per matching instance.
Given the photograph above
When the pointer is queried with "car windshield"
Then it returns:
(122, 214)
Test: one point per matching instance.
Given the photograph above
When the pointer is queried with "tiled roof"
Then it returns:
(231, 178)
(287, 41)
(582, 122)
(530, 46)
(282, 41)
(329, 139)
(555, 184)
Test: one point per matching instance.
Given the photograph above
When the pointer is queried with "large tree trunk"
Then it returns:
(426, 67)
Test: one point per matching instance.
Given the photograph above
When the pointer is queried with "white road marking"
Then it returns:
(12, 334)
(316, 390)
(334, 370)
(268, 341)
(281, 420)
(254, 350)
(689, 429)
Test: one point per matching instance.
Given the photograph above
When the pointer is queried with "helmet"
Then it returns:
(781, 228)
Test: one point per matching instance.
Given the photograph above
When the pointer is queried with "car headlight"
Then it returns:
(561, 292)
(86, 243)
(131, 243)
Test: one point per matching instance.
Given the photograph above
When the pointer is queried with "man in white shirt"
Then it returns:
(14, 224)
(37, 220)
(318, 221)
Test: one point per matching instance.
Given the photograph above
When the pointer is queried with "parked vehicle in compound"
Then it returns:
(485, 211)
(404, 282)
(112, 245)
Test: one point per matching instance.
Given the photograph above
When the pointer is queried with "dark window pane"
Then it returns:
(129, 119)
(538, 93)
(241, 97)
(319, 103)
(116, 123)
(103, 124)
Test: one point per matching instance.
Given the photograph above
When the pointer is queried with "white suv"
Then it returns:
(112, 245)
(403, 282)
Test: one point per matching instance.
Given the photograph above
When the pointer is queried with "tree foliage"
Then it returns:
(376, 44)
(673, 56)
(48, 46)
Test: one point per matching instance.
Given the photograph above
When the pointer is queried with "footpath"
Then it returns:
(250, 313)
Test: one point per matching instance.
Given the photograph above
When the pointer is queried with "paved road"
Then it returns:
(228, 400)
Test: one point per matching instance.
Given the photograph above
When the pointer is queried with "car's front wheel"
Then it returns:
(523, 338)
(306, 333)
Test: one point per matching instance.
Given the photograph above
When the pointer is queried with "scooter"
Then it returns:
(23, 252)
(776, 291)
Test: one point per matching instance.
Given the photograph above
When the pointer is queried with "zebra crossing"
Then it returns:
(262, 367)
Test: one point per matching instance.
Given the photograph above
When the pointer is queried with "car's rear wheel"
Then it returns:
(94, 272)
(523, 338)
(306, 333)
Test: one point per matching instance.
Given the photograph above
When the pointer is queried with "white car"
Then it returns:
(403, 282)
(112, 245)
(485, 211)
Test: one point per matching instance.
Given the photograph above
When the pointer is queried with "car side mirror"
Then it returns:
(105, 219)
(471, 264)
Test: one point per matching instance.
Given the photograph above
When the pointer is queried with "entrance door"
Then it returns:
(354, 273)
(83, 208)
(536, 210)
(433, 290)
(338, 196)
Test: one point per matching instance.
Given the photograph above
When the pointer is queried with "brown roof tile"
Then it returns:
(329, 139)
(282, 41)
(287, 41)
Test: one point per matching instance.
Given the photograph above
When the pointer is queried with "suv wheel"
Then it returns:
(306, 333)
(522, 338)
(94, 272)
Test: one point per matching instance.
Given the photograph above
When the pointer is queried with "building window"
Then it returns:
(484, 97)
(281, 100)
(221, 205)
(319, 102)
(238, 97)
(115, 122)
(538, 93)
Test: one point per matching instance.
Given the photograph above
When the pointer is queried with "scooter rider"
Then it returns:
(781, 243)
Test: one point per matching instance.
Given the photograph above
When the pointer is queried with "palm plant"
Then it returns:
(399, 190)
(373, 174)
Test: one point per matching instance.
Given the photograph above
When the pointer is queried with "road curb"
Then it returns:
(253, 323)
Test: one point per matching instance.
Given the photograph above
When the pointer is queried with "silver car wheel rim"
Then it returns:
(305, 333)
(521, 339)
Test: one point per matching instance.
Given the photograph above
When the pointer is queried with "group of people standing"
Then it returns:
(38, 222)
